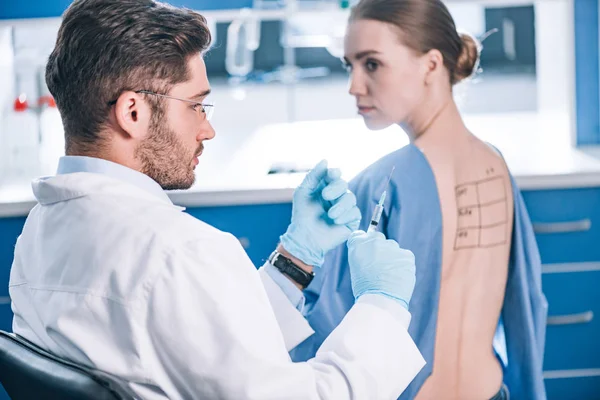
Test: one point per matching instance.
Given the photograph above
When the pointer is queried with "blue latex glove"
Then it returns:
(380, 266)
(324, 214)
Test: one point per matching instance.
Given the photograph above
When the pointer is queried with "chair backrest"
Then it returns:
(29, 372)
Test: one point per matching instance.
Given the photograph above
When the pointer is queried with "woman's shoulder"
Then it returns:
(404, 160)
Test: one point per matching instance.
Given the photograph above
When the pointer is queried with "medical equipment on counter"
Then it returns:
(379, 207)
(243, 38)
(52, 137)
(52, 144)
(21, 142)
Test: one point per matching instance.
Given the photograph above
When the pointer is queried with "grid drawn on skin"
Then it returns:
(482, 214)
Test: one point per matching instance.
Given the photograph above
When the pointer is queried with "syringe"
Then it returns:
(379, 207)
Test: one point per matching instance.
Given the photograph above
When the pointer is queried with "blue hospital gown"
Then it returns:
(413, 218)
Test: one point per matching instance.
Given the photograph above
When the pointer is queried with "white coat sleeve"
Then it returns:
(292, 323)
(211, 333)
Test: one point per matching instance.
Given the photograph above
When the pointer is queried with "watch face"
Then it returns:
(286, 266)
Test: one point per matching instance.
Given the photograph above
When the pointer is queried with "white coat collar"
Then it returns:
(78, 176)
(73, 164)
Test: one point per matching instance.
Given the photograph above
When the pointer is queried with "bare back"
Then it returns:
(477, 210)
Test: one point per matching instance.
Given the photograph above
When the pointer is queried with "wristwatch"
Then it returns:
(287, 267)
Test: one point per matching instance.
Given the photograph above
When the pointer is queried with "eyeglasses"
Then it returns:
(206, 109)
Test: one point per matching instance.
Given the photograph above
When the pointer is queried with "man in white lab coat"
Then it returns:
(110, 274)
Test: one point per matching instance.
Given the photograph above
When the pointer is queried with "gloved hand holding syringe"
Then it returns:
(378, 265)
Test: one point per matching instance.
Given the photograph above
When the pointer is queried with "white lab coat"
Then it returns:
(115, 277)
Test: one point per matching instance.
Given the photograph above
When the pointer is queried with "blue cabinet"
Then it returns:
(567, 224)
(257, 227)
(567, 227)
(10, 229)
(576, 388)
(574, 320)
(10, 9)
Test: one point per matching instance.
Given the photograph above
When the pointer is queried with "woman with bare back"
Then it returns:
(478, 312)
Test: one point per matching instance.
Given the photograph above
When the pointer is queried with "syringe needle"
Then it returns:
(389, 178)
(379, 207)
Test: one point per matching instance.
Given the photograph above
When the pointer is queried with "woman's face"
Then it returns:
(386, 77)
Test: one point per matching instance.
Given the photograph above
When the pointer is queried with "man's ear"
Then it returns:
(133, 114)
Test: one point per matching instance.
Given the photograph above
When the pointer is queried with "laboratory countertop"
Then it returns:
(235, 170)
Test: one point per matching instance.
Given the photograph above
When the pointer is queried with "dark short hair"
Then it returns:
(425, 25)
(106, 47)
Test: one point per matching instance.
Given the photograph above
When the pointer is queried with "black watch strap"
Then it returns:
(287, 267)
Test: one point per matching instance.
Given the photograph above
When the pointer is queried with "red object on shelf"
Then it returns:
(21, 104)
(48, 100)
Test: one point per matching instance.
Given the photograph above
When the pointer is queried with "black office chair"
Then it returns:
(29, 372)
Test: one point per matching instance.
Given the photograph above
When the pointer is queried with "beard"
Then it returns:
(165, 158)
